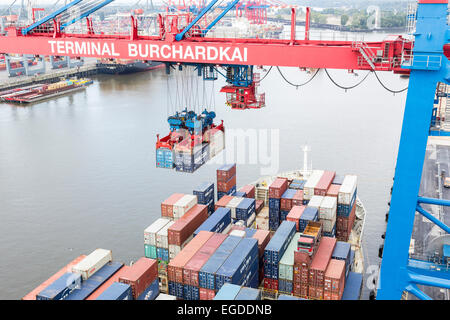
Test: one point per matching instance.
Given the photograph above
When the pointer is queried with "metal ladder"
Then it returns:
(445, 122)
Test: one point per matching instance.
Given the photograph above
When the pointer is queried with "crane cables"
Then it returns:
(390, 90)
(297, 85)
(265, 75)
(346, 88)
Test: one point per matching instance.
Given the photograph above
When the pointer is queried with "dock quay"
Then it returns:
(49, 77)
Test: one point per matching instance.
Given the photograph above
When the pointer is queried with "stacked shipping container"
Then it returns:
(276, 190)
(226, 180)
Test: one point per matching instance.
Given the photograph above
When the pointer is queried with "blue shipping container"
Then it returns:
(338, 179)
(204, 192)
(61, 287)
(288, 194)
(353, 286)
(238, 263)
(217, 222)
(151, 292)
(342, 251)
(96, 280)
(279, 242)
(172, 289)
(245, 209)
(240, 194)
(249, 232)
(117, 291)
(274, 203)
(207, 273)
(227, 292)
(309, 214)
(162, 254)
(248, 294)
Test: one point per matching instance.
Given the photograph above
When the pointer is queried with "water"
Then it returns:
(78, 173)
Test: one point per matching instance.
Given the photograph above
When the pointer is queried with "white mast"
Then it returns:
(307, 164)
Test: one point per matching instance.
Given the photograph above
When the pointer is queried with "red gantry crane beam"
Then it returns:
(379, 56)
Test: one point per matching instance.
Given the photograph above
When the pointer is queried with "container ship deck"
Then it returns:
(292, 236)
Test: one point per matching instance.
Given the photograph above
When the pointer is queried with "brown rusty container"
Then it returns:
(335, 277)
(226, 172)
(320, 261)
(249, 190)
(295, 214)
(184, 227)
(140, 275)
(333, 190)
(222, 203)
(167, 205)
(297, 199)
(277, 188)
(259, 205)
(225, 186)
(263, 237)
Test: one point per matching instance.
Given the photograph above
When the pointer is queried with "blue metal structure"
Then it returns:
(428, 66)
(87, 13)
(181, 35)
(220, 16)
(50, 17)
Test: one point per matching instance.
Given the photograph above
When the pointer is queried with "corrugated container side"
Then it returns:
(151, 231)
(327, 209)
(140, 275)
(347, 190)
(308, 188)
(162, 239)
(226, 186)
(263, 237)
(352, 290)
(320, 261)
(295, 214)
(324, 183)
(183, 228)
(286, 265)
(232, 204)
(184, 205)
(216, 222)
(176, 265)
(277, 188)
(208, 271)
(223, 201)
(335, 277)
(167, 205)
(297, 199)
(279, 242)
(191, 269)
(226, 171)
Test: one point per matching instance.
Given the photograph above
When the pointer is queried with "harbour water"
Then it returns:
(78, 173)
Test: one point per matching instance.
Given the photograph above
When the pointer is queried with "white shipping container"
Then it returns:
(227, 229)
(234, 202)
(347, 189)
(315, 201)
(328, 225)
(238, 233)
(286, 265)
(92, 263)
(163, 296)
(328, 208)
(308, 188)
(250, 220)
(152, 230)
(184, 205)
(162, 239)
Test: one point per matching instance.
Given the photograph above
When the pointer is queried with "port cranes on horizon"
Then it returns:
(425, 59)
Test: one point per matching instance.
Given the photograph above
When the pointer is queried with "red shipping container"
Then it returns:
(335, 276)
(295, 214)
(277, 188)
(140, 275)
(302, 257)
(286, 204)
(346, 223)
(301, 290)
(176, 265)
(167, 205)
(223, 202)
(259, 205)
(263, 237)
(206, 294)
(225, 186)
(333, 190)
(318, 293)
(324, 183)
(191, 269)
(249, 190)
(184, 227)
(297, 199)
(320, 261)
(225, 175)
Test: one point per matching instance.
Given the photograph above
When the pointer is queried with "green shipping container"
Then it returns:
(286, 266)
(150, 251)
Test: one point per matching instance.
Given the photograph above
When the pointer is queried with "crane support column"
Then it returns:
(428, 66)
